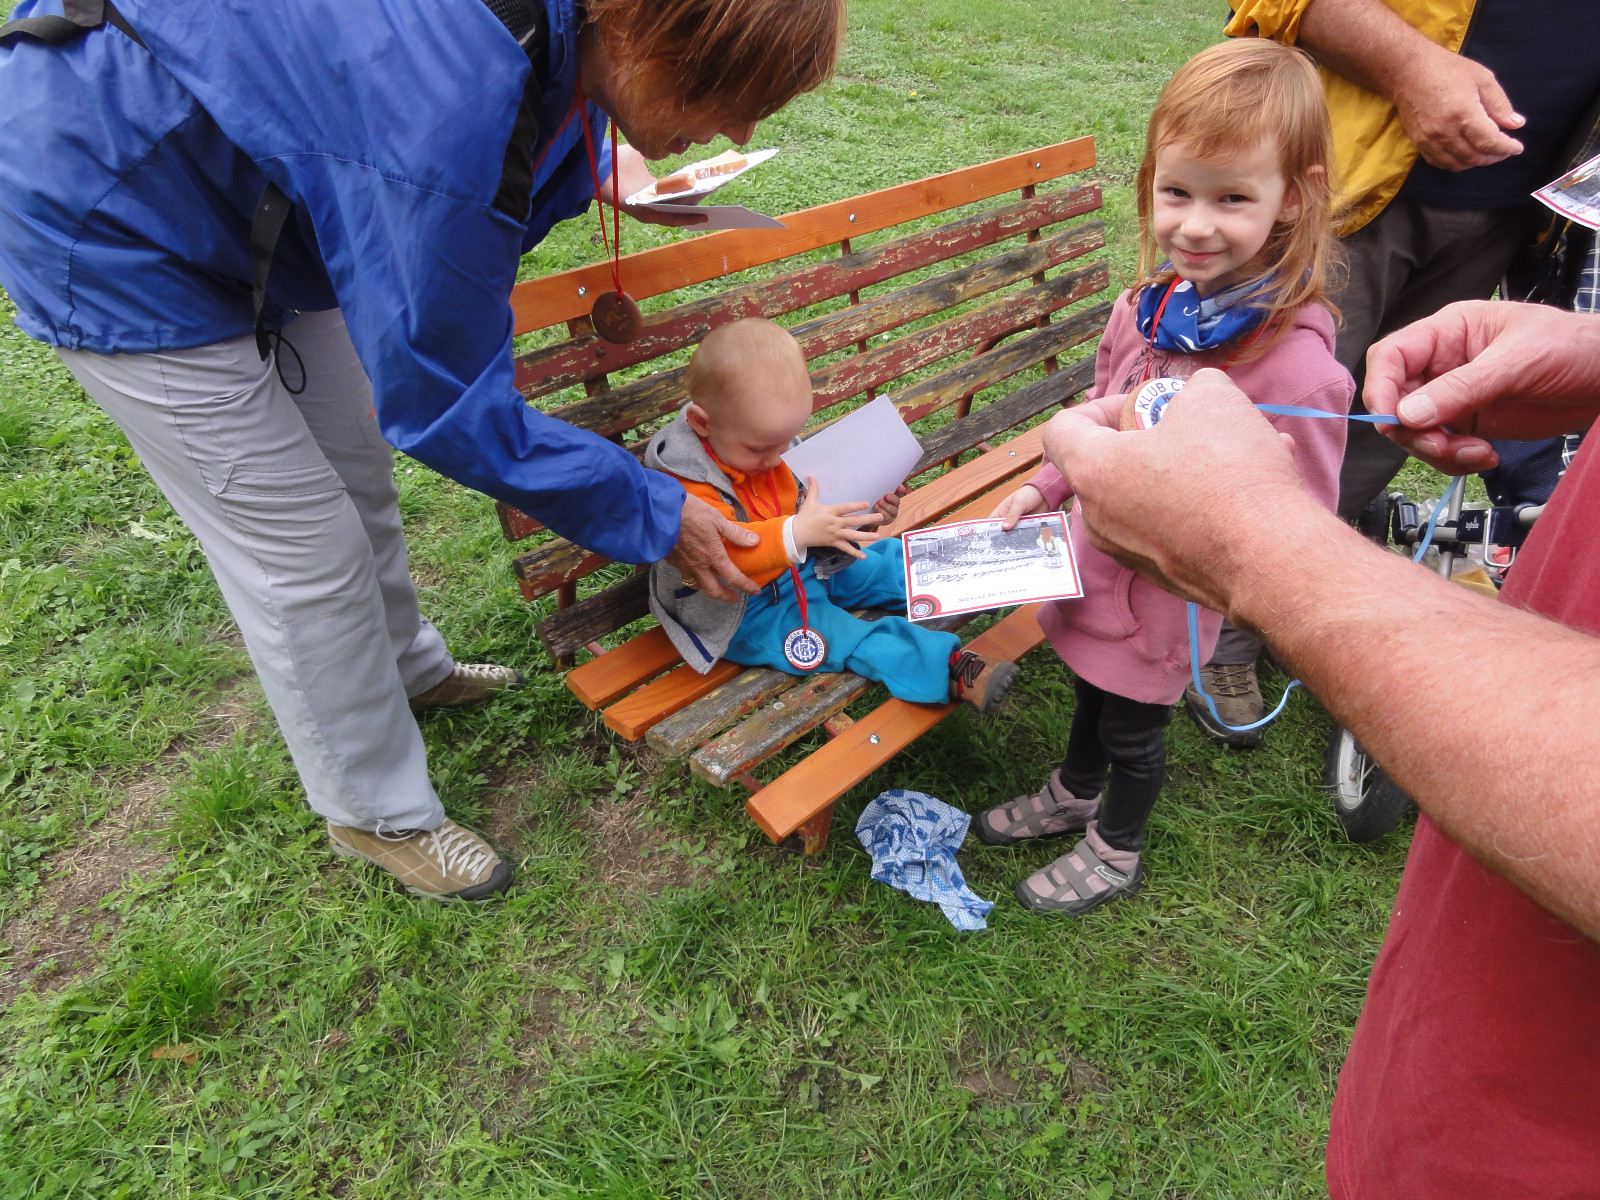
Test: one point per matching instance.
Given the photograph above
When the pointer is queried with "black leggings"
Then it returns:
(1127, 736)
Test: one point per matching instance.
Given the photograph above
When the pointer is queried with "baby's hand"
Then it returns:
(889, 505)
(834, 524)
(1026, 499)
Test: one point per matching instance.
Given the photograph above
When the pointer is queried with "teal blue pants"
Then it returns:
(912, 662)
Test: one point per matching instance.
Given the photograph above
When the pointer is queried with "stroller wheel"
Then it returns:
(1373, 521)
(1366, 801)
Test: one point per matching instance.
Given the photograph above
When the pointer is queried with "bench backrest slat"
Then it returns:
(540, 303)
(586, 357)
(632, 404)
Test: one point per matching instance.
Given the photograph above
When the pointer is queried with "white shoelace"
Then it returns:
(458, 850)
(482, 672)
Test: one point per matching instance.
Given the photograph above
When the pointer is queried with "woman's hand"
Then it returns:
(1026, 500)
(889, 505)
(700, 554)
(836, 525)
(633, 175)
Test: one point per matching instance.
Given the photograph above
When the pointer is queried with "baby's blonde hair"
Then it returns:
(733, 354)
(1231, 97)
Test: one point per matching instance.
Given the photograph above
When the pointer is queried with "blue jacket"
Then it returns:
(128, 178)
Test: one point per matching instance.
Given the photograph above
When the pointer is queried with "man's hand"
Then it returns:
(632, 174)
(1451, 107)
(1485, 369)
(1183, 502)
(1025, 500)
(700, 554)
(1454, 111)
(836, 525)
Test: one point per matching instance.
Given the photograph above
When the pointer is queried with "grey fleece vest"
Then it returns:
(699, 626)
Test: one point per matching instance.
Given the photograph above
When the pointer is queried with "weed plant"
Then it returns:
(665, 1005)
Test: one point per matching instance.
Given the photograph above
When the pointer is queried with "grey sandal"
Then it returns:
(1052, 811)
(1078, 882)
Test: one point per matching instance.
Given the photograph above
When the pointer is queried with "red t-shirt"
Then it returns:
(1474, 1073)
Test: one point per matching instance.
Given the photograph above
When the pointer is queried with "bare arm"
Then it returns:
(1389, 648)
(1452, 108)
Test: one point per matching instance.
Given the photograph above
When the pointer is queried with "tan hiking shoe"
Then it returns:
(980, 680)
(468, 684)
(1237, 695)
(447, 863)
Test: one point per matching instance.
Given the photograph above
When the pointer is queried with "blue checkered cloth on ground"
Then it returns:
(913, 841)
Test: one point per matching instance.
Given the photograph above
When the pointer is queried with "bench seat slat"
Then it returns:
(540, 372)
(759, 737)
(680, 733)
(954, 488)
(538, 303)
(633, 715)
(601, 680)
(831, 770)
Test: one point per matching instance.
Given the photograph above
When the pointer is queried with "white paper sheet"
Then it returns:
(718, 216)
(862, 457)
(969, 566)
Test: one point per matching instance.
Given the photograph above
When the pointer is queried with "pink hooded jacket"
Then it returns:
(1126, 635)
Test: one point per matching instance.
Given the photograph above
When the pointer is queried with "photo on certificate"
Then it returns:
(970, 566)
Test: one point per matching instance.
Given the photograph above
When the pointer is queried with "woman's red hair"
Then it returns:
(744, 58)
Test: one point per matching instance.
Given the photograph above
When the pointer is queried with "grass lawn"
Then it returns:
(665, 1005)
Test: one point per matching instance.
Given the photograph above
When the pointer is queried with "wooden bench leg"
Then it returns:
(814, 830)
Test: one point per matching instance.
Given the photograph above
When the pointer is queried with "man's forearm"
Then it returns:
(1363, 40)
(1483, 713)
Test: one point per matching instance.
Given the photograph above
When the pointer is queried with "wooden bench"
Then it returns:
(944, 337)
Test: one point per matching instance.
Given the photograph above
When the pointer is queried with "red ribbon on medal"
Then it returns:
(804, 648)
(616, 314)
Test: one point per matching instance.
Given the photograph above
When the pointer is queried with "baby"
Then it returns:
(749, 396)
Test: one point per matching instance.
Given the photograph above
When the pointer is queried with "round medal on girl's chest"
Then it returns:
(617, 318)
(1144, 409)
(804, 649)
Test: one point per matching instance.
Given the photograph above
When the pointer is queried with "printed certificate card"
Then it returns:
(973, 565)
(1576, 195)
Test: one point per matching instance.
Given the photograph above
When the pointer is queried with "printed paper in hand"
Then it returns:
(717, 216)
(866, 455)
(974, 565)
(1576, 195)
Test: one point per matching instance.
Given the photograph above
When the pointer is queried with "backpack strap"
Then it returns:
(81, 17)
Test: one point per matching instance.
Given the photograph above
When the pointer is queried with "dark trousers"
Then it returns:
(1112, 735)
(1407, 263)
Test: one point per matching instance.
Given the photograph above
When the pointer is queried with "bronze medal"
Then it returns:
(617, 318)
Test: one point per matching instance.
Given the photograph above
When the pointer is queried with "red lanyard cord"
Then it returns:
(1149, 360)
(777, 511)
(613, 245)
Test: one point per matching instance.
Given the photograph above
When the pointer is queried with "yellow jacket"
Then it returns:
(1373, 151)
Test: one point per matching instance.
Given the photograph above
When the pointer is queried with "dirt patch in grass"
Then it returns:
(54, 942)
(631, 854)
(1008, 1079)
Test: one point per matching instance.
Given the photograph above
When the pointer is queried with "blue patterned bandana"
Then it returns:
(1187, 326)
